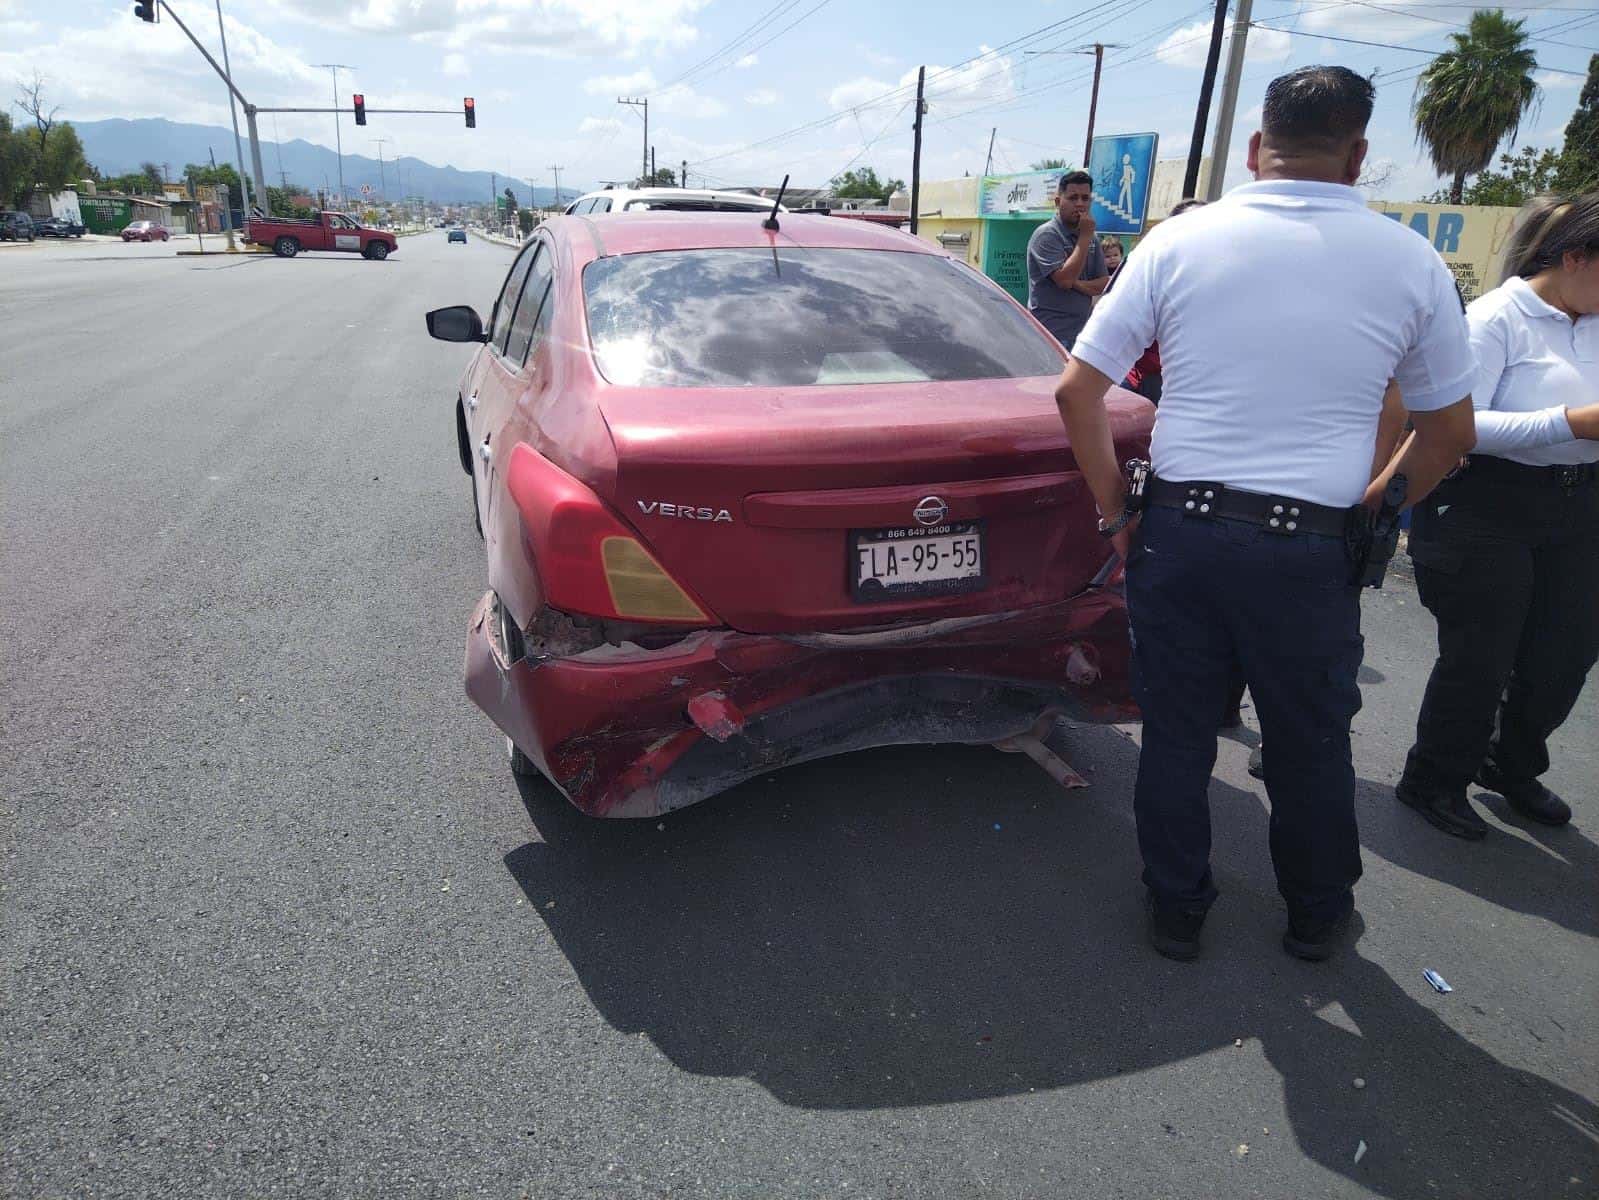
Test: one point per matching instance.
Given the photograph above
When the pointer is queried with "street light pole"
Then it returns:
(1229, 100)
(338, 134)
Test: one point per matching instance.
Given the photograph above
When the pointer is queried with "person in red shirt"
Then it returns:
(1145, 378)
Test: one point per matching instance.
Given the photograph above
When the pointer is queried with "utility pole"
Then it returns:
(383, 179)
(338, 133)
(652, 166)
(1093, 103)
(916, 146)
(682, 178)
(557, 171)
(989, 161)
(1196, 145)
(1229, 99)
(644, 168)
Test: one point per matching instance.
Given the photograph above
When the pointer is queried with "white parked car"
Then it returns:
(663, 199)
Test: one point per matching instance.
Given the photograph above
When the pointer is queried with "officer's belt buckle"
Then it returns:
(1201, 499)
(1571, 476)
(1281, 515)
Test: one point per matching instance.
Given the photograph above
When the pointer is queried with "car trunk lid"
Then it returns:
(780, 507)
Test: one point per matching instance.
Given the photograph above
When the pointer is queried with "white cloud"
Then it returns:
(877, 58)
(856, 91)
(950, 90)
(602, 85)
(455, 65)
(1188, 46)
(576, 28)
(684, 101)
(1555, 81)
(761, 97)
(748, 61)
(589, 126)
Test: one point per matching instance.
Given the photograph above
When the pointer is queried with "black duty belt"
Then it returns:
(1277, 514)
(1487, 466)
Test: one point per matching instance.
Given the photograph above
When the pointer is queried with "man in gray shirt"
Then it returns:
(1065, 267)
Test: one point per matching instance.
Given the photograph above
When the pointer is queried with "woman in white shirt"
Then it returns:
(1507, 550)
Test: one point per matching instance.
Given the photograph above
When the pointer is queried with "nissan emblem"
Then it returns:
(931, 511)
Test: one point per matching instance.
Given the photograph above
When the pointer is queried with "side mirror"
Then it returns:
(458, 323)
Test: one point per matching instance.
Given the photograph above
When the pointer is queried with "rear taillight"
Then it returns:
(590, 563)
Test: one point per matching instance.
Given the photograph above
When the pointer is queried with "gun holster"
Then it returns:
(1371, 541)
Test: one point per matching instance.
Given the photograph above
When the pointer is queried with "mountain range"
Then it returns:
(117, 146)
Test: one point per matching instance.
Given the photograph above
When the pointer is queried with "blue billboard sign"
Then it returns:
(1123, 167)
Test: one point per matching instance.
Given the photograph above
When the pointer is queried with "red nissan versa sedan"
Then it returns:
(757, 496)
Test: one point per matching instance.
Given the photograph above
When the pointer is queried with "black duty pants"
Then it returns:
(1508, 563)
(1211, 599)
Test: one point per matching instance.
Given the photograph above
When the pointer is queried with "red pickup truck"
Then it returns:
(325, 231)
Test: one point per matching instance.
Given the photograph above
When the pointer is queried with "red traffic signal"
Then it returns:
(145, 10)
(469, 106)
(360, 108)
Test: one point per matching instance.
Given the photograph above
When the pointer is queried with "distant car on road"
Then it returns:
(16, 227)
(456, 235)
(59, 227)
(326, 231)
(751, 499)
(145, 231)
(615, 200)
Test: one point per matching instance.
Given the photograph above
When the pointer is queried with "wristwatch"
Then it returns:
(1109, 529)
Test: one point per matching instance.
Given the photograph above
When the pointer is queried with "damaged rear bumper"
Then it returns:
(625, 731)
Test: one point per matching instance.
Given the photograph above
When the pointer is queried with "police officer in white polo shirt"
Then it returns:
(1282, 312)
(1507, 550)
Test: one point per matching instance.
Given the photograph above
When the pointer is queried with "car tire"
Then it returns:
(377, 251)
(522, 766)
(285, 247)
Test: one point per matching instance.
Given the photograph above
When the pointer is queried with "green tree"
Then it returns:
(1520, 177)
(281, 204)
(1579, 160)
(224, 175)
(44, 153)
(1051, 164)
(665, 177)
(862, 183)
(525, 220)
(510, 201)
(1472, 98)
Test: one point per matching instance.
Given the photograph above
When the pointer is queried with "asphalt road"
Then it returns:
(278, 922)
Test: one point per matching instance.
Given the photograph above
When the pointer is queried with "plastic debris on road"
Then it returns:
(1439, 984)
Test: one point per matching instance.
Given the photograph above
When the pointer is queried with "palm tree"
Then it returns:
(1472, 97)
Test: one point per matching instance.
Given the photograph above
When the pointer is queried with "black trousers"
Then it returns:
(1211, 600)
(1508, 563)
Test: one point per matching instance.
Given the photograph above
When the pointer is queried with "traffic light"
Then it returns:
(360, 108)
(470, 107)
(145, 10)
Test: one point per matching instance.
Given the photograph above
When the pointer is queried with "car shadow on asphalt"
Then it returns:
(919, 926)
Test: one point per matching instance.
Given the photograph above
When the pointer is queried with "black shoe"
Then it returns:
(1527, 796)
(1257, 762)
(1317, 941)
(1451, 813)
(1174, 932)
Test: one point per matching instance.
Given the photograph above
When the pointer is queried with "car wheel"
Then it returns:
(285, 247)
(522, 766)
(377, 251)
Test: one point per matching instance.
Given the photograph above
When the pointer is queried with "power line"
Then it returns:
(1331, 37)
(781, 8)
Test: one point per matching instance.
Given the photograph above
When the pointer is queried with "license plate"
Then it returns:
(892, 564)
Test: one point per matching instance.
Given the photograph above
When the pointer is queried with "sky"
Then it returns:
(750, 90)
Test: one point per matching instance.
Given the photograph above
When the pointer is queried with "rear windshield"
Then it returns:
(792, 317)
(658, 204)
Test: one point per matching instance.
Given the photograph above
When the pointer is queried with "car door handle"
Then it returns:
(471, 401)
(485, 451)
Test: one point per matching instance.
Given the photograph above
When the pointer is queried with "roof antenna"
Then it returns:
(771, 221)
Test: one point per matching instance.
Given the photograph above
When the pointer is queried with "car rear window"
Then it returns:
(790, 317)
(658, 204)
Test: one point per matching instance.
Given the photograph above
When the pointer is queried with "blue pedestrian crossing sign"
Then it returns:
(1123, 167)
